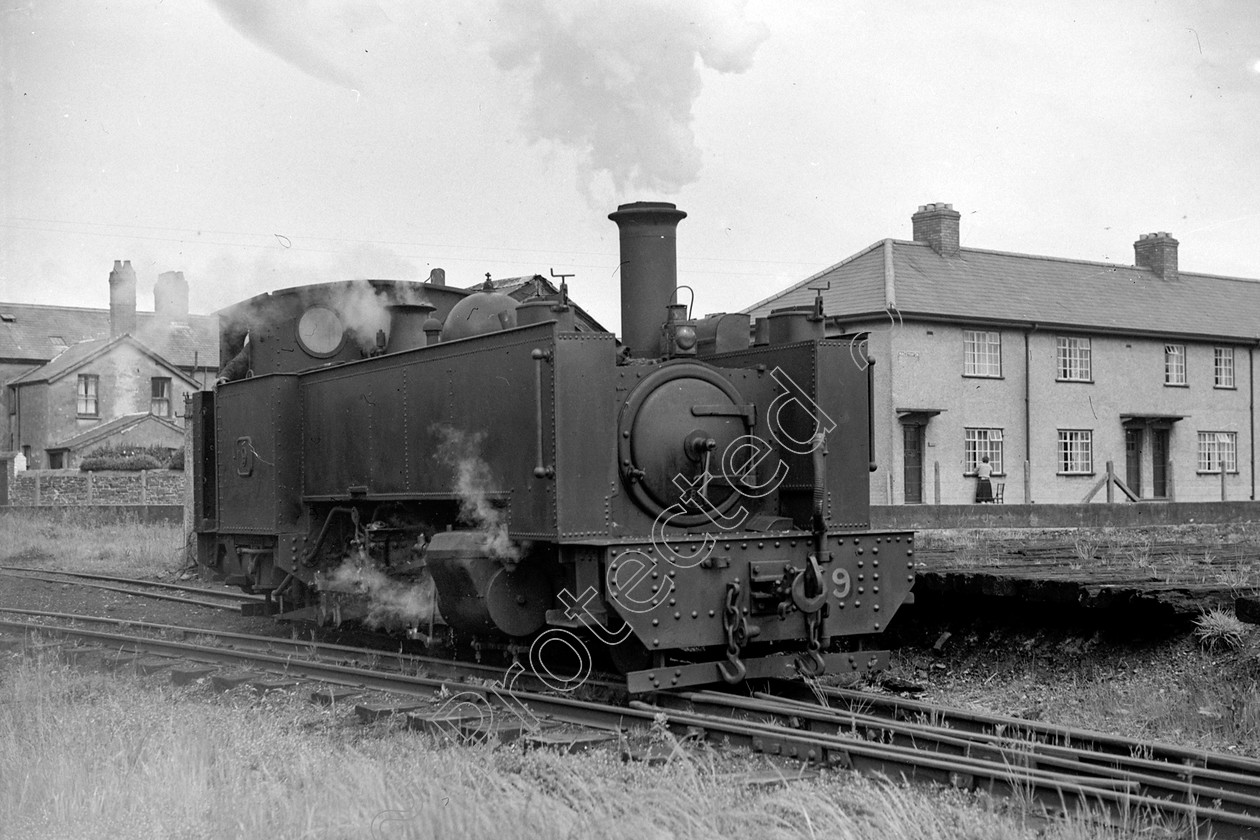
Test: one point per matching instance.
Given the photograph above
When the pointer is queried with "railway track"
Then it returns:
(1063, 768)
(201, 596)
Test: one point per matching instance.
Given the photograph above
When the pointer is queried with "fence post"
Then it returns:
(1027, 484)
(936, 480)
(144, 487)
(1111, 486)
(38, 489)
(1172, 487)
(1223, 479)
(91, 491)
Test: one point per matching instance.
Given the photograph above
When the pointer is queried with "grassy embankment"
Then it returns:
(89, 755)
(91, 542)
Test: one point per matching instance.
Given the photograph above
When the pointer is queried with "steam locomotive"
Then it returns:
(691, 503)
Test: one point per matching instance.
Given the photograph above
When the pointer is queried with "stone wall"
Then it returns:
(60, 488)
(1117, 515)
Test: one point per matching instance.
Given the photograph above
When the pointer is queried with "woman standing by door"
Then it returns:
(984, 487)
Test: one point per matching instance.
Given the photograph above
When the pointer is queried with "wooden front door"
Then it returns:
(1159, 463)
(1133, 460)
(913, 464)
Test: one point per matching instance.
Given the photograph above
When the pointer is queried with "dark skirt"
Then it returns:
(984, 490)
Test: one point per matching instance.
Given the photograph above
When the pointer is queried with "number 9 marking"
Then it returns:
(840, 582)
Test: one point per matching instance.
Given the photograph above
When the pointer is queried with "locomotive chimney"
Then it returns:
(122, 299)
(649, 271)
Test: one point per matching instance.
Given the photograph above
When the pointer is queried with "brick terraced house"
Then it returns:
(1051, 367)
(75, 379)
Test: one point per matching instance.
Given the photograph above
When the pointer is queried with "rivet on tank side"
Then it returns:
(655, 621)
(673, 601)
(656, 643)
(776, 543)
(877, 625)
(876, 608)
(677, 616)
(743, 545)
(695, 614)
(761, 545)
(712, 613)
(909, 578)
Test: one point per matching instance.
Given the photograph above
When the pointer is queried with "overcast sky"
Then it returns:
(256, 145)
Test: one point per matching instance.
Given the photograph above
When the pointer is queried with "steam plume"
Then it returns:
(390, 602)
(461, 451)
(616, 80)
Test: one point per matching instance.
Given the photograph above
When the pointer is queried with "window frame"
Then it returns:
(1175, 374)
(975, 341)
(1064, 346)
(1063, 456)
(1208, 448)
(155, 398)
(973, 451)
(1219, 354)
(84, 396)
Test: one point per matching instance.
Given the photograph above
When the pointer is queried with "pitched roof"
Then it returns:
(118, 424)
(911, 279)
(80, 354)
(522, 289)
(38, 333)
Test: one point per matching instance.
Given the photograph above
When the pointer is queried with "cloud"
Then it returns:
(616, 81)
(308, 34)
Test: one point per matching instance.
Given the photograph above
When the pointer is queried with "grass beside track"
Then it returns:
(84, 754)
(91, 541)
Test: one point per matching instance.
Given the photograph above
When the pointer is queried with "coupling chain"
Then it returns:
(735, 625)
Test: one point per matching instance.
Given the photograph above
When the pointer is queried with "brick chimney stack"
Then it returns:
(937, 225)
(1158, 252)
(122, 299)
(170, 298)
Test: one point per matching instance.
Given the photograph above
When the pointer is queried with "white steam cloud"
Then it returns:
(461, 451)
(616, 80)
(390, 602)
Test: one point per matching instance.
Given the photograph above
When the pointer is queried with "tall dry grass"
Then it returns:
(91, 541)
(89, 756)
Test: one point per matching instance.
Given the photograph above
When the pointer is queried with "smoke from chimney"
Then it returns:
(616, 81)
(170, 298)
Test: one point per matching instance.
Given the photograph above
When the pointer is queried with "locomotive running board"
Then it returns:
(781, 666)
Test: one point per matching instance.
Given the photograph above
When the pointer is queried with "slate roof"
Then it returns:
(997, 286)
(118, 424)
(27, 331)
(522, 289)
(80, 354)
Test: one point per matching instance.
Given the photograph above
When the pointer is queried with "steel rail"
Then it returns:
(455, 669)
(161, 596)
(1052, 788)
(185, 587)
(1236, 792)
(969, 720)
(519, 702)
